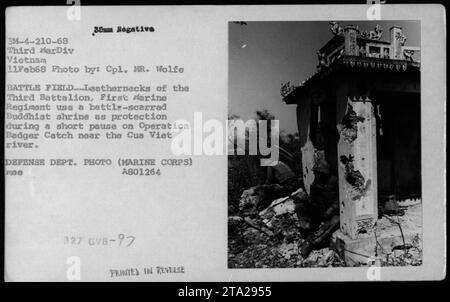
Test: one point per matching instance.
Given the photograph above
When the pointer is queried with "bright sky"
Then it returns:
(262, 55)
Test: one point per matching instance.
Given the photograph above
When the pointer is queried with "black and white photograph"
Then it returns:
(224, 144)
(346, 189)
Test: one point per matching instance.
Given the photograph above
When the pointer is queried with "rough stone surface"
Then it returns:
(386, 242)
(252, 247)
(249, 199)
(308, 164)
(275, 241)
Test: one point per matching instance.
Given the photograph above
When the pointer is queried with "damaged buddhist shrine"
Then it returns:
(360, 112)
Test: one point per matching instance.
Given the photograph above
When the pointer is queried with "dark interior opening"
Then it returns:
(323, 132)
(398, 145)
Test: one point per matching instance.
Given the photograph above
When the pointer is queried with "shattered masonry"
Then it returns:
(364, 225)
(349, 129)
(355, 178)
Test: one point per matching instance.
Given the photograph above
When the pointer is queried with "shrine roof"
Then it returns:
(351, 62)
(353, 48)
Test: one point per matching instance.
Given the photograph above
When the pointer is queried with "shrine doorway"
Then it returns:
(398, 145)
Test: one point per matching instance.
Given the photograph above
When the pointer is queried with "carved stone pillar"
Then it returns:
(357, 166)
(397, 42)
(350, 41)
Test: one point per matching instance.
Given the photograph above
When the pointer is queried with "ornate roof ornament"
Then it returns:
(357, 48)
(286, 88)
(408, 54)
(401, 38)
(336, 29)
(374, 34)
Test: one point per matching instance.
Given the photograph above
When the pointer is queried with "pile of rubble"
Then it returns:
(271, 237)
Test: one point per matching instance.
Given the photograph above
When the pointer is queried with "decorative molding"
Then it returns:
(351, 61)
(364, 226)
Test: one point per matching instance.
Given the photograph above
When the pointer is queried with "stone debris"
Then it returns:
(249, 199)
(404, 257)
(285, 207)
(328, 257)
(271, 238)
(323, 258)
(288, 249)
